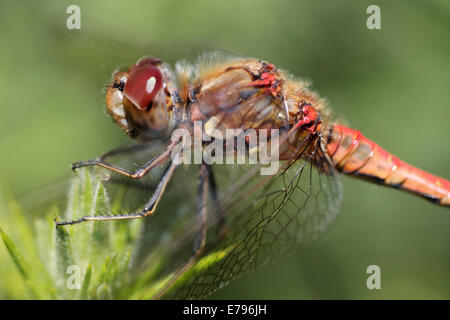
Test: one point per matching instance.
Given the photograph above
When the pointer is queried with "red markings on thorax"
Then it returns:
(309, 117)
(267, 80)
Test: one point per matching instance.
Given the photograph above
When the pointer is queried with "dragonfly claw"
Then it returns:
(80, 164)
(77, 165)
(63, 223)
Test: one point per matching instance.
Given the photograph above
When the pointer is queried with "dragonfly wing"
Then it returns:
(55, 193)
(95, 56)
(265, 218)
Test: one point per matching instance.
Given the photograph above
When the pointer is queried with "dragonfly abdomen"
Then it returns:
(356, 155)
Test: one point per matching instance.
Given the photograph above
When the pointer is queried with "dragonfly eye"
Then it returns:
(143, 83)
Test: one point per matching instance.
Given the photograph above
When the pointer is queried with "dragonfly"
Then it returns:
(239, 218)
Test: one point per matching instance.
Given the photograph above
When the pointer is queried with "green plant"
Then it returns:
(89, 261)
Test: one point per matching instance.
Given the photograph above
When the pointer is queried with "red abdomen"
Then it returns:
(354, 154)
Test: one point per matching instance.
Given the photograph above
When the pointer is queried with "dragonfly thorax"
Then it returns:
(244, 94)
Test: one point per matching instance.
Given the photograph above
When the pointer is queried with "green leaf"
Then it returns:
(101, 229)
(197, 267)
(86, 283)
(15, 255)
(87, 195)
(19, 262)
(63, 250)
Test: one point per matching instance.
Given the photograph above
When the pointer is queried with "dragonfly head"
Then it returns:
(139, 99)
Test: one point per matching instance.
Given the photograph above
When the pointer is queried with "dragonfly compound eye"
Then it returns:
(143, 83)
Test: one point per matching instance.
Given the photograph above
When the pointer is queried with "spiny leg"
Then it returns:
(149, 207)
(199, 243)
(139, 173)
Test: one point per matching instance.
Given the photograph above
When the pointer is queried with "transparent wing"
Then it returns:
(97, 55)
(259, 219)
(131, 157)
(284, 215)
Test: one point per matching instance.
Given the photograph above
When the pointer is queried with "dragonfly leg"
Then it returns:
(215, 198)
(199, 243)
(149, 207)
(139, 173)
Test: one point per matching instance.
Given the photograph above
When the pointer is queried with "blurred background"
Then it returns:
(392, 84)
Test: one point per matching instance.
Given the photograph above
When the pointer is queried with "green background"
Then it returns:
(392, 84)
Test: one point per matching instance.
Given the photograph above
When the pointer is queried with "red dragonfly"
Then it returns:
(242, 219)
